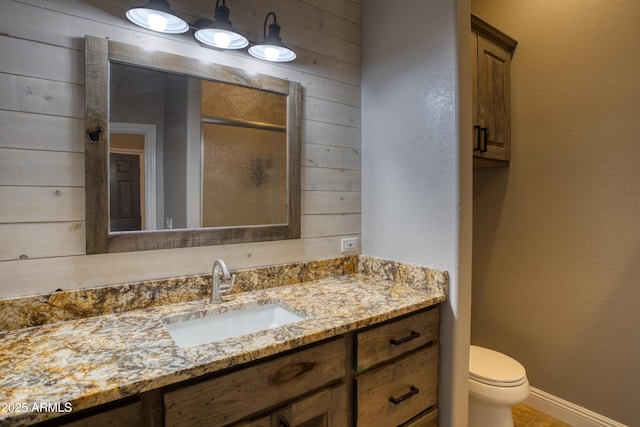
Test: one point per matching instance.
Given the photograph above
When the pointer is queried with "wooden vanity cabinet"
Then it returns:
(230, 398)
(326, 408)
(427, 419)
(382, 375)
(127, 415)
(491, 52)
(397, 372)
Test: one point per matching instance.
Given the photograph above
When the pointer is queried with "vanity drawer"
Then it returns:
(124, 416)
(398, 391)
(385, 342)
(231, 397)
(428, 419)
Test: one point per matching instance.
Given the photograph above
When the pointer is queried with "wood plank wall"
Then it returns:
(42, 236)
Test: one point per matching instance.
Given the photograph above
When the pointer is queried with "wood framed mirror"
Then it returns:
(179, 153)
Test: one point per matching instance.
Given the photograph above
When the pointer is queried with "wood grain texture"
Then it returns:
(234, 396)
(23, 241)
(42, 109)
(99, 240)
(29, 131)
(375, 345)
(40, 168)
(428, 419)
(126, 416)
(491, 52)
(33, 95)
(327, 408)
(325, 156)
(325, 202)
(96, 154)
(42, 204)
(322, 225)
(417, 371)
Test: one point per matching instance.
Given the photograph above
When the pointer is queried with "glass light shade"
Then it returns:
(157, 16)
(221, 38)
(272, 52)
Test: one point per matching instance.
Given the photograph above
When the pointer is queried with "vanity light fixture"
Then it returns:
(272, 49)
(219, 33)
(156, 15)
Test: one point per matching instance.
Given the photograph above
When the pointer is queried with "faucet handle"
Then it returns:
(227, 287)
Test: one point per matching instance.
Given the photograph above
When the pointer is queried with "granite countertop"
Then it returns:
(82, 363)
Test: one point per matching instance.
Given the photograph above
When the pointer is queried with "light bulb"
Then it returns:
(221, 39)
(157, 22)
(271, 53)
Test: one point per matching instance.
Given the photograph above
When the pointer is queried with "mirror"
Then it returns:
(181, 153)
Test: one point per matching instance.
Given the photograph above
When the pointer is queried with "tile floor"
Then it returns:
(524, 416)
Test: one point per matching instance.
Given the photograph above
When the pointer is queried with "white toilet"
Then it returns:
(496, 382)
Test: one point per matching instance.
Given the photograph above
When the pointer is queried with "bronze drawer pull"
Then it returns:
(396, 400)
(413, 336)
(291, 372)
(284, 423)
(484, 149)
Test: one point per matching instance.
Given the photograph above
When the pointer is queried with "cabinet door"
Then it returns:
(385, 342)
(493, 101)
(126, 416)
(231, 397)
(428, 419)
(327, 408)
(260, 422)
(398, 391)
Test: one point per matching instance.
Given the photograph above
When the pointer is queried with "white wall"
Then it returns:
(416, 172)
(556, 235)
(42, 238)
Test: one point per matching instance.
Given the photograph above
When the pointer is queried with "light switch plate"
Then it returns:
(350, 244)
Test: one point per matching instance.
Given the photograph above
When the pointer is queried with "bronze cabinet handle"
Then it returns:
(409, 337)
(483, 149)
(477, 146)
(396, 400)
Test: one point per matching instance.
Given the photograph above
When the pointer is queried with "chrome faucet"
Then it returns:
(216, 288)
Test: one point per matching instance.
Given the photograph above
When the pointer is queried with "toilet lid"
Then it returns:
(494, 368)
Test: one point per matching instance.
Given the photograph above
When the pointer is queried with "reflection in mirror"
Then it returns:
(240, 131)
(194, 155)
(245, 182)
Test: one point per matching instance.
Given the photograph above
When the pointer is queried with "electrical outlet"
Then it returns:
(350, 244)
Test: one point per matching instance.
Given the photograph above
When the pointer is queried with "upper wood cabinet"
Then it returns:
(491, 52)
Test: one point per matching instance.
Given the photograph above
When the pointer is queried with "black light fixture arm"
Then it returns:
(275, 22)
(223, 10)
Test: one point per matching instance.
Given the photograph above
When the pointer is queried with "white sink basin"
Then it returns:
(187, 331)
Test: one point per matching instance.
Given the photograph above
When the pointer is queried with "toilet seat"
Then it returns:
(495, 369)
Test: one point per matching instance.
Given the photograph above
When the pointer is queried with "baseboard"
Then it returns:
(567, 412)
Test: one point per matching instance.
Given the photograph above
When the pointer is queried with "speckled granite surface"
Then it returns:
(36, 310)
(89, 361)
